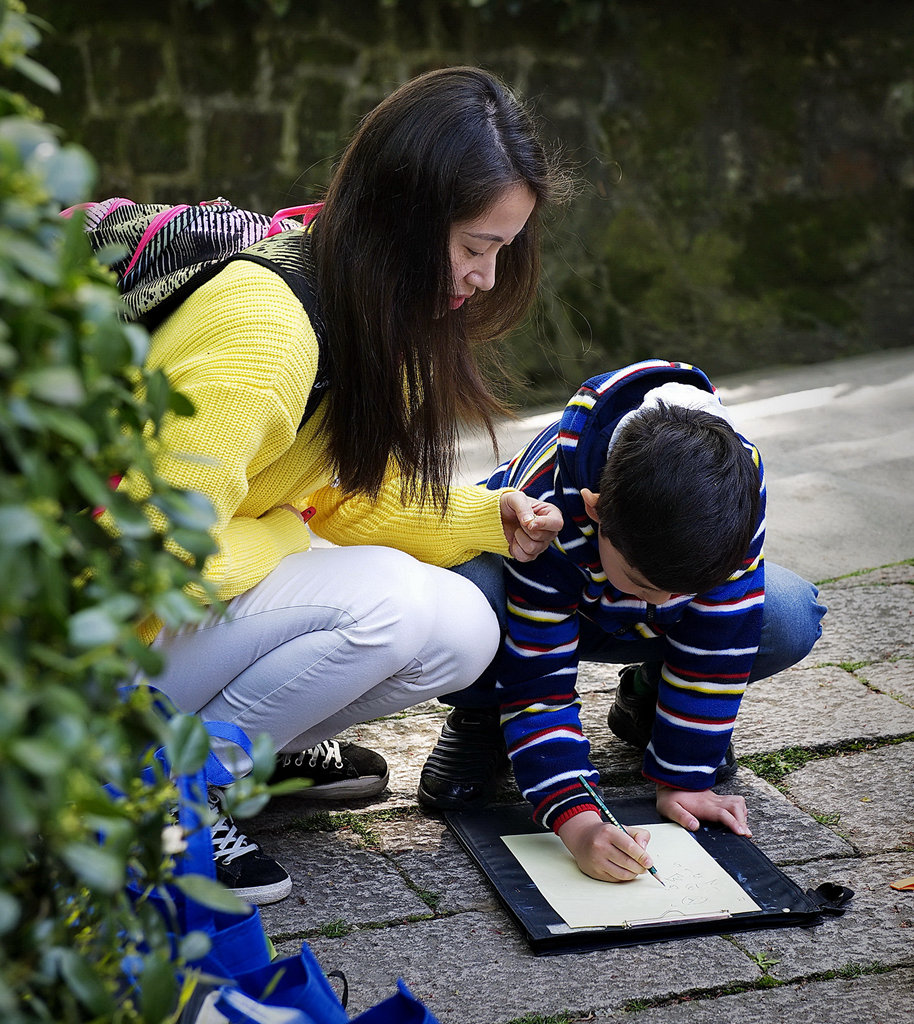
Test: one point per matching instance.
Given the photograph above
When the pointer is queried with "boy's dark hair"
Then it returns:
(679, 498)
(441, 148)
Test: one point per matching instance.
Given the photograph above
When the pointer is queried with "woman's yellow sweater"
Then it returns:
(242, 348)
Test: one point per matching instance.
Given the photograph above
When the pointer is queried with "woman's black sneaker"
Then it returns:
(338, 771)
(240, 863)
(632, 714)
(469, 758)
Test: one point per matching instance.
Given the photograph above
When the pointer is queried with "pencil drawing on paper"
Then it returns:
(695, 884)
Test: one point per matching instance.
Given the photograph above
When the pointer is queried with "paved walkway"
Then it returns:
(384, 891)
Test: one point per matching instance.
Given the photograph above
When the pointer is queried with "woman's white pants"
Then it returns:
(331, 637)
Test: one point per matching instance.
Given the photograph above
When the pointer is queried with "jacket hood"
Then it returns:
(589, 419)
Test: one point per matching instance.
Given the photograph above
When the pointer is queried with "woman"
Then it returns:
(427, 245)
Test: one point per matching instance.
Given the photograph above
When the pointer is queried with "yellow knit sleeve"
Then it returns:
(243, 351)
(472, 524)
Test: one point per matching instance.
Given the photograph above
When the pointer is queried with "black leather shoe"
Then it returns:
(469, 758)
(631, 718)
(727, 768)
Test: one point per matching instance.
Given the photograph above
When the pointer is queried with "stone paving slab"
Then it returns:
(871, 792)
(867, 620)
(877, 999)
(335, 879)
(473, 969)
(815, 707)
(877, 928)
(896, 678)
(783, 832)
(429, 855)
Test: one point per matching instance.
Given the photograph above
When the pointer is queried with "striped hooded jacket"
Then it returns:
(709, 640)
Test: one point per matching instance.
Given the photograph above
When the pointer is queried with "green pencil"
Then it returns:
(612, 819)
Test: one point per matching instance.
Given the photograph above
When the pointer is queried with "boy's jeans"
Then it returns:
(791, 624)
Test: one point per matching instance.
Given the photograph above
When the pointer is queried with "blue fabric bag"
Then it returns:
(401, 1008)
(239, 982)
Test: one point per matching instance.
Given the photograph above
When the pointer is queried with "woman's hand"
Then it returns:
(530, 526)
(689, 809)
(604, 851)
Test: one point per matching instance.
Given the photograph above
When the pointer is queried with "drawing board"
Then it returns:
(694, 884)
(769, 899)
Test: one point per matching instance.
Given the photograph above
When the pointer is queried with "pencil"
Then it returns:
(612, 819)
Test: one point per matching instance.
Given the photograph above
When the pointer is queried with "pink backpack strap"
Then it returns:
(156, 224)
(307, 213)
(98, 210)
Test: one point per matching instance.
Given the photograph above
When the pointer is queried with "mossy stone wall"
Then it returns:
(747, 169)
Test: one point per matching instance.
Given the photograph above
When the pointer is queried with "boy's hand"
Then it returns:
(689, 809)
(603, 851)
(530, 526)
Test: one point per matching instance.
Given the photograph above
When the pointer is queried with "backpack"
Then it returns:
(169, 251)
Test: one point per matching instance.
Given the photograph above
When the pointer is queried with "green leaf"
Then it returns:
(37, 73)
(181, 405)
(10, 912)
(175, 608)
(84, 982)
(194, 946)
(249, 806)
(189, 510)
(97, 867)
(158, 394)
(138, 338)
(93, 486)
(60, 385)
(263, 756)
(93, 627)
(30, 258)
(41, 756)
(210, 893)
(71, 427)
(19, 525)
(187, 745)
(195, 542)
(66, 172)
(158, 987)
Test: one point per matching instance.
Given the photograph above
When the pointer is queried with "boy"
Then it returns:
(660, 560)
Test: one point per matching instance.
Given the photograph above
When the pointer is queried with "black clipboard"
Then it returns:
(783, 903)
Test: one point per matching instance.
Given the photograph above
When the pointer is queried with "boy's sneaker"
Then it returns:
(631, 718)
(469, 758)
(339, 771)
(240, 863)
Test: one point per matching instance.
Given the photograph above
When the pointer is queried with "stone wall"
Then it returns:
(747, 170)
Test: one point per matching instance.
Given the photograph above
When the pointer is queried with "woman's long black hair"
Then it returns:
(441, 148)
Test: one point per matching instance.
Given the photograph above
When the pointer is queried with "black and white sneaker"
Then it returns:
(241, 865)
(338, 771)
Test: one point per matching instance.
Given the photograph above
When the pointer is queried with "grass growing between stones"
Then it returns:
(555, 1018)
(848, 971)
(865, 572)
(775, 766)
(362, 826)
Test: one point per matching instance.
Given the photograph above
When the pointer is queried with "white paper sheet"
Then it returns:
(695, 885)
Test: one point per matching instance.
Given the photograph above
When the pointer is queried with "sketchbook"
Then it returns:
(716, 882)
